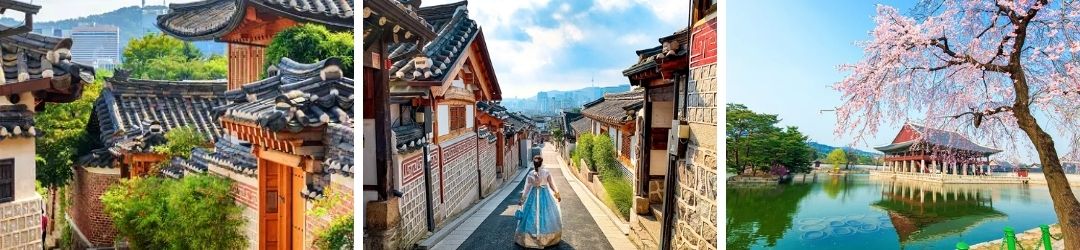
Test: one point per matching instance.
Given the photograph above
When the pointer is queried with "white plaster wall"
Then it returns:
(22, 150)
(443, 113)
(469, 121)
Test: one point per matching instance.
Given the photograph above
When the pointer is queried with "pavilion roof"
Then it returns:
(939, 138)
(209, 19)
(134, 115)
(568, 119)
(613, 108)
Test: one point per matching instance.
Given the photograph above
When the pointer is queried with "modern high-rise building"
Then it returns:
(97, 45)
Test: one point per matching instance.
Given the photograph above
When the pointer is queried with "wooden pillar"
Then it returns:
(922, 165)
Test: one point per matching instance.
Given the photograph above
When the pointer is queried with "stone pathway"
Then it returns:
(581, 229)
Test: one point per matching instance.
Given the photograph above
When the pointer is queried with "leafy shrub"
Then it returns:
(309, 43)
(584, 150)
(195, 212)
(338, 236)
(619, 189)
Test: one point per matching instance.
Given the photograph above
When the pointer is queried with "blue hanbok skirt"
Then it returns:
(539, 223)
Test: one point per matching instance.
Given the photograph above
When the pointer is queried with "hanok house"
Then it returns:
(658, 71)
(249, 25)
(921, 149)
(37, 69)
(616, 115)
(298, 124)
(679, 78)
(130, 117)
(444, 152)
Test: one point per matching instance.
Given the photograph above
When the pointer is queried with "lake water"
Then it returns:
(857, 211)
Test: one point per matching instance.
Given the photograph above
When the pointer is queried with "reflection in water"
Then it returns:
(922, 211)
(763, 213)
(856, 211)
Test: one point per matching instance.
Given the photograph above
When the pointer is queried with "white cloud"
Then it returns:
(496, 14)
(665, 10)
(636, 39)
(53, 10)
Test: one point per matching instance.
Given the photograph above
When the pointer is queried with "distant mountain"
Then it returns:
(823, 149)
(133, 22)
(553, 102)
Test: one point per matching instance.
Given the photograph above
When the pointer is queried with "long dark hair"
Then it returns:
(537, 162)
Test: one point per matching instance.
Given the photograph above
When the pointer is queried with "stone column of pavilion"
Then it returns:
(36, 70)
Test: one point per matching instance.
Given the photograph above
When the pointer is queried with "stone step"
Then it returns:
(658, 211)
(652, 226)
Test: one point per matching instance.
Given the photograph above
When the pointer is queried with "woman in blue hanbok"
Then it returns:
(539, 223)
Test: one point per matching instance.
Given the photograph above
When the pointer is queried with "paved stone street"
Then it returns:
(580, 230)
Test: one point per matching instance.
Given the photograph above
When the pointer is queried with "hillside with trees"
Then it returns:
(755, 142)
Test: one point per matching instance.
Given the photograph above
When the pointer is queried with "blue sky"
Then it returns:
(539, 45)
(782, 58)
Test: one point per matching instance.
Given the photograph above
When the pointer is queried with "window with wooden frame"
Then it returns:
(7, 180)
(457, 117)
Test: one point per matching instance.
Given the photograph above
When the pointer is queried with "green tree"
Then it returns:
(309, 43)
(161, 57)
(179, 142)
(194, 212)
(754, 141)
(64, 138)
(603, 155)
(837, 157)
(338, 236)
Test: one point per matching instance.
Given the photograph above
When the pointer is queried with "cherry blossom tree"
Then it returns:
(986, 68)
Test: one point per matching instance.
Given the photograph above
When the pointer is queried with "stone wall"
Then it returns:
(695, 192)
(87, 210)
(459, 177)
(413, 203)
(486, 154)
(20, 223)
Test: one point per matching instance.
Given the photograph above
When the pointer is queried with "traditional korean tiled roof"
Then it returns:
(516, 123)
(615, 108)
(31, 56)
(16, 121)
(568, 120)
(294, 96)
(226, 154)
(409, 137)
(580, 126)
(133, 115)
(100, 157)
(483, 132)
(339, 154)
(209, 19)
(938, 138)
(671, 46)
(455, 32)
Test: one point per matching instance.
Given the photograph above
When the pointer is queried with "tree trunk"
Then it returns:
(1066, 206)
(52, 209)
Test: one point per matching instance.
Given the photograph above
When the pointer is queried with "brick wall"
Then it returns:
(315, 225)
(459, 175)
(20, 224)
(695, 192)
(87, 210)
(487, 159)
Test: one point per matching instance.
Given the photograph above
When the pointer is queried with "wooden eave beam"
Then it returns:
(398, 16)
(25, 86)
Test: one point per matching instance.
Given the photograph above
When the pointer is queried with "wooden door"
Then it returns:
(270, 201)
(297, 203)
